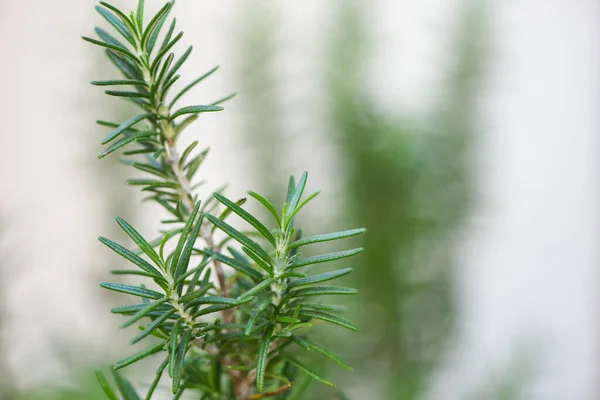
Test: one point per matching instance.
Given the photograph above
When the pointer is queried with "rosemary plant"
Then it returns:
(242, 334)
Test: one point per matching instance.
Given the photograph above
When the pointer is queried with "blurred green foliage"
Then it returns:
(408, 181)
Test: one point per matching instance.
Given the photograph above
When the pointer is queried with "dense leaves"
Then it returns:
(242, 330)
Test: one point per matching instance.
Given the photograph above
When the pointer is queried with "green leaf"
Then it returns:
(187, 152)
(263, 352)
(321, 307)
(140, 241)
(301, 342)
(254, 317)
(167, 37)
(295, 199)
(191, 85)
(129, 69)
(152, 170)
(117, 49)
(331, 356)
(326, 237)
(291, 189)
(126, 125)
(125, 141)
(249, 293)
(164, 51)
(325, 257)
(184, 259)
(119, 93)
(180, 358)
(108, 38)
(245, 215)
(125, 387)
(159, 373)
(134, 290)
(266, 266)
(238, 265)
(105, 385)
(117, 23)
(303, 203)
(144, 312)
(326, 276)
(334, 319)
(223, 100)
(322, 290)
(208, 300)
(239, 237)
(139, 356)
(154, 27)
(120, 82)
(183, 238)
(140, 15)
(130, 256)
(268, 205)
(173, 346)
(194, 110)
(292, 360)
(152, 326)
(197, 269)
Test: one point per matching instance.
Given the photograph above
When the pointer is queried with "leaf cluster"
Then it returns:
(239, 334)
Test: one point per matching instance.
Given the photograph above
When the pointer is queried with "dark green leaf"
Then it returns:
(238, 265)
(325, 257)
(295, 199)
(164, 51)
(152, 326)
(183, 238)
(118, 93)
(268, 205)
(134, 290)
(108, 38)
(120, 82)
(303, 203)
(245, 215)
(128, 68)
(323, 290)
(334, 319)
(130, 256)
(326, 237)
(223, 100)
(144, 312)
(263, 352)
(125, 387)
(116, 49)
(249, 293)
(140, 15)
(140, 241)
(326, 276)
(105, 385)
(117, 23)
(194, 110)
(184, 259)
(126, 125)
(180, 358)
(292, 360)
(139, 356)
(267, 267)
(241, 238)
(331, 356)
(154, 26)
(159, 373)
(191, 85)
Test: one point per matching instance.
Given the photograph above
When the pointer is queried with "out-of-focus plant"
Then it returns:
(262, 311)
(417, 185)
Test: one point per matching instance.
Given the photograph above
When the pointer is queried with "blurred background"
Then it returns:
(464, 134)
